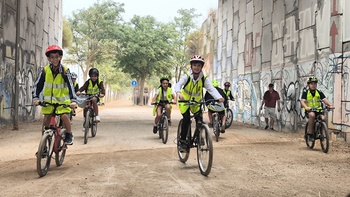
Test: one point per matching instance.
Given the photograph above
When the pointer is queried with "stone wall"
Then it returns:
(257, 42)
(40, 25)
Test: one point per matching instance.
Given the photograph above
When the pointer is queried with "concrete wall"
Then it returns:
(40, 25)
(257, 42)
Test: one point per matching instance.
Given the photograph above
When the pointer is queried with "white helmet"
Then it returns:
(74, 75)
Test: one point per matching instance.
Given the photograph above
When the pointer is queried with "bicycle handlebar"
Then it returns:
(193, 102)
(45, 104)
(162, 103)
(323, 108)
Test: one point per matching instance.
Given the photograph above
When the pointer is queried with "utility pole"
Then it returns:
(15, 97)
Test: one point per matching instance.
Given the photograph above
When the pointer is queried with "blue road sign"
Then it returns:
(133, 83)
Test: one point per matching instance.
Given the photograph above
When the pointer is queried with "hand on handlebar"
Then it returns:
(221, 100)
(181, 97)
(36, 102)
(78, 93)
(308, 108)
(102, 95)
(331, 107)
(73, 105)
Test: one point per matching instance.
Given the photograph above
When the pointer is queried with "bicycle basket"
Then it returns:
(81, 101)
(217, 107)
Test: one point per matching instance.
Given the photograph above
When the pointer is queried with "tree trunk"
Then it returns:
(141, 87)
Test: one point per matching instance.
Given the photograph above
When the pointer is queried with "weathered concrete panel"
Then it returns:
(257, 30)
(30, 42)
(11, 3)
(291, 5)
(46, 15)
(277, 53)
(278, 19)
(234, 55)
(267, 11)
(224, 33)
(235, 5)
(219, 49)
(335, 34)
(242, 10)
(39, 4)
(1, 12)
(291, 34)
(39, 25)
(9, 36)
(241, 37)
(266, 43)
(24, 19)
(235, 26)
(31, 6)
(256, 60)
(307, 47)
(257, 6)
(307, 13)
(248, 50)
(249, 18)
(229, 15)
(346, 20)
(229, 44)
(224, 10)
(323, 23)
(240, 65)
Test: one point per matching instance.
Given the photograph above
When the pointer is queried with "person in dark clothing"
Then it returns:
(270, 98)
(220, 108)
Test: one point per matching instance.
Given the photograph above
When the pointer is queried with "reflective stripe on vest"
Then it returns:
(55, 88)
(93, 89)
(314, 101)
(168, 96)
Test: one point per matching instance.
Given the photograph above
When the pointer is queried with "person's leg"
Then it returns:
(210, 117)
(186, 118)
(311, 122)
(69, 135)
(156, 120)
(94, 104)
(223, 121)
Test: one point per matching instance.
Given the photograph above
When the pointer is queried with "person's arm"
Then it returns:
(174, 99)
(102, 89)
(76, 88)
(325, 100)
(263, 101)
(155, 96)
(38, 86)
(179, 84)
(213, 91)
(303, 101)
(231, 97)
(278, 102)
(67, 78)
(84, 87)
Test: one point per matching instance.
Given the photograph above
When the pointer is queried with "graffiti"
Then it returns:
(248, 50)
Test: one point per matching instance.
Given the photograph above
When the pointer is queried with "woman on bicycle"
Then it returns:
(164, 94)
(94, 86)
(56, 84)
(191, 87)
(220, 109)
(312, 98)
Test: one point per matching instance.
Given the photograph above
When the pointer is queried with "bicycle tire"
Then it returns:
(204, 150)
(309, 144)
(324, 137)
(86, 126)
(61, 152)
(183, 156)
(165, 130)
(229, 118)
(93, 126)
(42, 165)
(216, 126)
(160, 128)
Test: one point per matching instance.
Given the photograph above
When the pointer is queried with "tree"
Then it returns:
(184, 24)
(67, 35)
(145, 50)
(95, 34)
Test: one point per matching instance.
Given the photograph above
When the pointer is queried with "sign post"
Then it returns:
(134, 84)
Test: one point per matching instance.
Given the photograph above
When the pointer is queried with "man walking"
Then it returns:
(270, 98)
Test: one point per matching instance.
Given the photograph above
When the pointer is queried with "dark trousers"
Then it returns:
(186, 120)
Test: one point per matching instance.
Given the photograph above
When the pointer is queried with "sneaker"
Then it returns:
(311, 137)
(69, 139)
(272, 129)
(169, 122)
(183, 146)
(155, 128)
(267, 126)
(222, 130)
(97, 118)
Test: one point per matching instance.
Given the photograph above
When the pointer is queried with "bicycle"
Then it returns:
(229, 116)
(320, 132)
(162, 125)
(201, 139)
(52, 141)
(89, 117)
(217, 119)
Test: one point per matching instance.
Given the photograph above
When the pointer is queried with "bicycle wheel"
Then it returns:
(309, 144)
(43, 156)
(160, 128)
(229, 118)
(183, 156)
(165, 130)
(205, 150)
(93, 126)
(216, 126)
(86, 126)
(324, 137)
(61, 152)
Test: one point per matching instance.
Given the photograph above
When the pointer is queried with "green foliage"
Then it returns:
(67, 35)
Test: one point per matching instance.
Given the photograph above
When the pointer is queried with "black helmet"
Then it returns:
(312, 79)
(162, 79)
(93, 71)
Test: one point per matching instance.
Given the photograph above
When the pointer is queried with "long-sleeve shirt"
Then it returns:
(86, 85)
(207, 84)
(39, 83)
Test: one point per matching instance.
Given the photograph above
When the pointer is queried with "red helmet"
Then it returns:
(53, 49)
(197, 58)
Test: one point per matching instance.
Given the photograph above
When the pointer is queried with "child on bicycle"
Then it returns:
(164, 94)
(56, 84)
(220, 108)
(190, 87)
(311, 99)
(228, 92)
(94, 86)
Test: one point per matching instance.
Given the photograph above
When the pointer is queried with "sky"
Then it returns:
(162, 10)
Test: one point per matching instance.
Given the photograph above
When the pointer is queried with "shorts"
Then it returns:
(222, 113)
(316, 114)
(270, 112)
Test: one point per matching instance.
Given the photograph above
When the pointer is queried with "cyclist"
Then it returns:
(56, 84)
(164, 94)
(94, 86)
(191, 87)
(216, 108)
(227, 91)
(311, 98)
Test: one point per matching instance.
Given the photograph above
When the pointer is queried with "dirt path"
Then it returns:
(127, 159)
